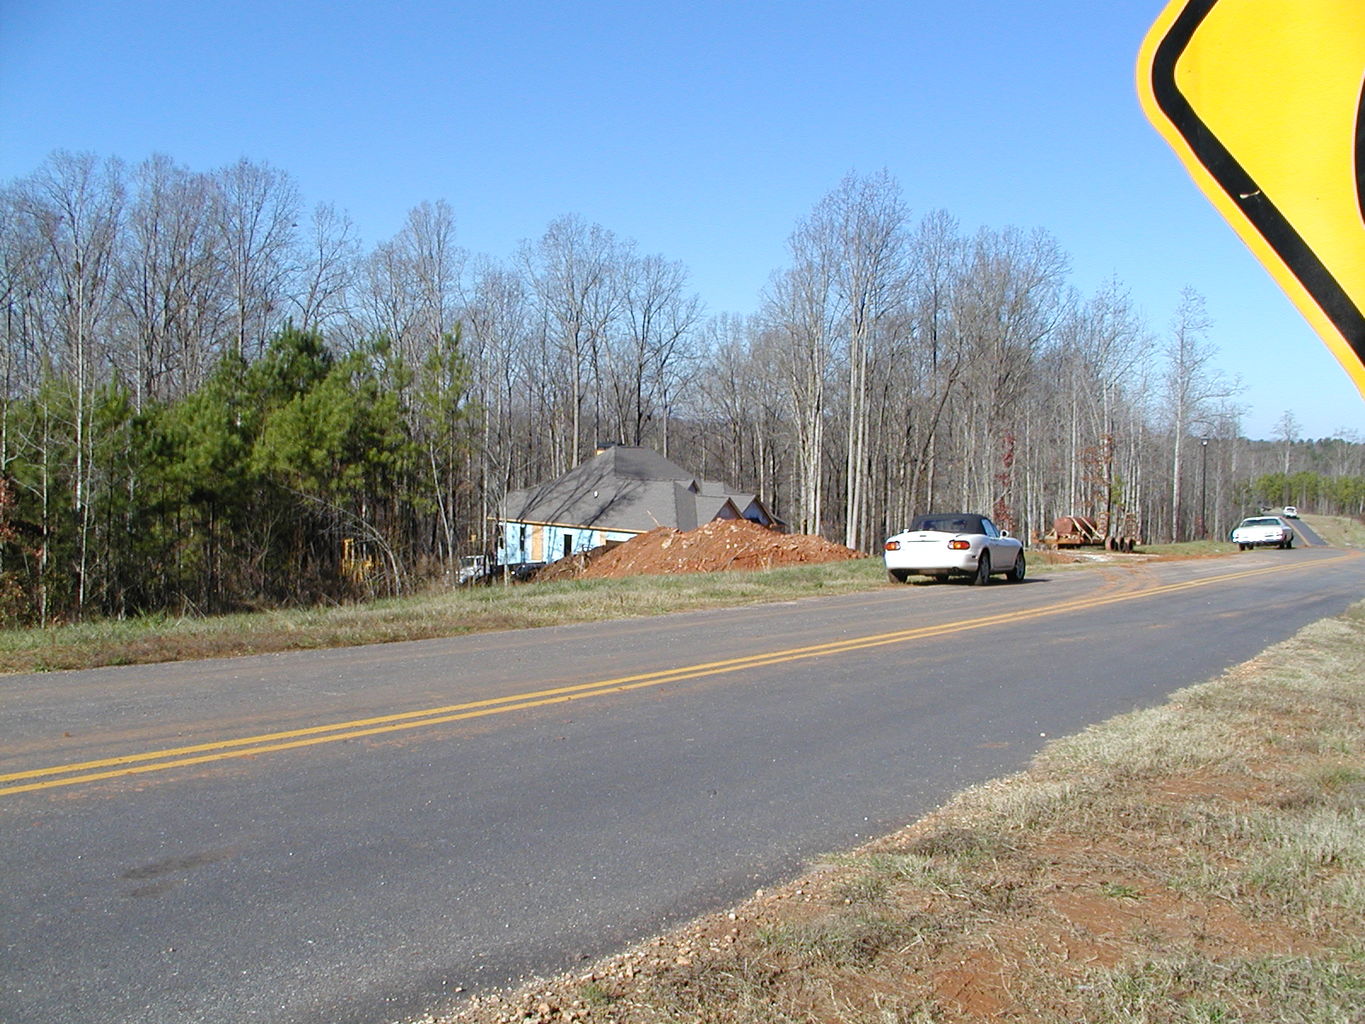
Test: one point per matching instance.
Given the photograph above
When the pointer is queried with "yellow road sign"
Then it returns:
(1262, 101)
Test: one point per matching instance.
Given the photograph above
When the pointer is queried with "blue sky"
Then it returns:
(704, 130)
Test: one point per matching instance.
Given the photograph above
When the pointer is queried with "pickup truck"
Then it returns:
(1263, 532)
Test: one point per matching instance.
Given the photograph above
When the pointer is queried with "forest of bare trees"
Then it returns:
(217, 399)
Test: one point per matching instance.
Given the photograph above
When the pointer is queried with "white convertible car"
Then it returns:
(954, 544)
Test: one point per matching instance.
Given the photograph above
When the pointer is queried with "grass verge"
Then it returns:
(437, 614)
(1203, 861)
(1189, 549)
(154, 638)
(1338, 531)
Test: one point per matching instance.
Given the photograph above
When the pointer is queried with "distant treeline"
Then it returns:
(1316, 491)
(214, 399)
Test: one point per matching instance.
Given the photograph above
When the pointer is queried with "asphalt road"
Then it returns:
(1307, 535)
(356, 835)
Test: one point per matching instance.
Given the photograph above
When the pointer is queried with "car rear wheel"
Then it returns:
(1017, 573)
(983, 570)
(898, 575)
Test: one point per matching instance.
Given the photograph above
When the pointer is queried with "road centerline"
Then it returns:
(161, 760)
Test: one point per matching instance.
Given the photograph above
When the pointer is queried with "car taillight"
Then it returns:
(959, 545)
(893, 545)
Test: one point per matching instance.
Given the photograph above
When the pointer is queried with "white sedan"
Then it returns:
(1263, 532)
(954, 544)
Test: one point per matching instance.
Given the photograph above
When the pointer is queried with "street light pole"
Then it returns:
(1203, 486)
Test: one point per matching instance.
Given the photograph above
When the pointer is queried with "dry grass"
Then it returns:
(454, 612)
(158, 638)
(1338, 531)
(1200, 862)
(438, 614)
(1188, 549)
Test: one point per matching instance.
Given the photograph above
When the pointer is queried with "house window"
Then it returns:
(568, 543)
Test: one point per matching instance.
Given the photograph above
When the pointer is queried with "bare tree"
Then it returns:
(1191, 386)
(257, 210)
(801, 319)
(1008, 304)
(742, 397)
(174, 306)
(23, 268)
(382, 304)
(409, 288)
(435, 264)
(327, 271)
(1287, 432)
(574, 270)
(866, 222)
(649, 349)
(937, 264)
(498, 335)
(73, 205)
(1098, 351)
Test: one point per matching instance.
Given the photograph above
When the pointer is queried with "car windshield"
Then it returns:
(1260, 522)
(955, 523)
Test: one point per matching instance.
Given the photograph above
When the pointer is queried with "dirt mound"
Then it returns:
(719, 545)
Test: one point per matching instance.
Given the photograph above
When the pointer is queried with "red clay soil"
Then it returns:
(718, 546)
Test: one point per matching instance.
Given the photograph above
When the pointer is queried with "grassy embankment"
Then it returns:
(434, 614)
(1338, 531)
(1198, 863)
(157, 638)
(1335, 531)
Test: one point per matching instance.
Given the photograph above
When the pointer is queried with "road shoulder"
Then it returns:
(1206, 851)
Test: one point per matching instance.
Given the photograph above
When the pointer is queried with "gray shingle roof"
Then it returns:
(622, 488)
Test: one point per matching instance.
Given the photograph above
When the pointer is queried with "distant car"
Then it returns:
(1263, 532)
(474, 569)
(1291, 512)
(954, 544)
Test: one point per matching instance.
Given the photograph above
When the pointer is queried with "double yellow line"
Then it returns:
(250, 746)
